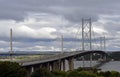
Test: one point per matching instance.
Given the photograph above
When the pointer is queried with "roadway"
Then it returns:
(56, 57)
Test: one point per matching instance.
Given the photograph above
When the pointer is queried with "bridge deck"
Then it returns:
(54, 57)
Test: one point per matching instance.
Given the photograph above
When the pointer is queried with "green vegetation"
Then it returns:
(11, 69)
(41, 73)
(75, 73)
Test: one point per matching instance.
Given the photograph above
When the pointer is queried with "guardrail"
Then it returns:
(48, 58)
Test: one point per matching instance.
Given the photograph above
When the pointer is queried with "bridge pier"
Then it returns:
(35, 67)
(62, 65)
(44, 66)
(59, 63)
(55, 65)
(48, 66)
(29, 70)
(83, 61)
(71, 63)
(63, 62)
(40, 66)
(91, 55)
(105, 58)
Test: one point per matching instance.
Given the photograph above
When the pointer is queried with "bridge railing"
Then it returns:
(57, 56)
(50, 58)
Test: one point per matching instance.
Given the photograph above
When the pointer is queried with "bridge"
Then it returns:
(57, 62)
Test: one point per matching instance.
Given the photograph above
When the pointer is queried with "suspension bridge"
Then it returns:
(58, 61)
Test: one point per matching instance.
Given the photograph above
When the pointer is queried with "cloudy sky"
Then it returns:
(38, 24)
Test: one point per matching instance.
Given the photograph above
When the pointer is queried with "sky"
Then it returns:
(39, 24)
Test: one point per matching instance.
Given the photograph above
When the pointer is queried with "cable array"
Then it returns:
(89, 37)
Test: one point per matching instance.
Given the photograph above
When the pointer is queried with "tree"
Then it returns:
(11, 69)
(59, 74)
(41, 73)
(74, 73)
(87, 74)
(115, 74)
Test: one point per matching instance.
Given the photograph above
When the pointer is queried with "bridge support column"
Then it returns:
(48, 66)
(83, 61)
(51, 66)
(29, 70)
(36, 67)
(63, 65)
(40, 66)
(55, 65)
(105, 57)
(71, 63)
(59, 65)
(44, 66)
(91, 60)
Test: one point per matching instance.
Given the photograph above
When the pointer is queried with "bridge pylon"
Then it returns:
(86, 34)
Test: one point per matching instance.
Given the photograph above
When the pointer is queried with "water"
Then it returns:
(86, 64)
(111, 66)
(78, 64)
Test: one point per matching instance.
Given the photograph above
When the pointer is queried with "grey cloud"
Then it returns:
(72, 10)
(112, 28)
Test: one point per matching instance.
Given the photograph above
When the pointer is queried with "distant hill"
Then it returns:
(32, 53)
(115, 55)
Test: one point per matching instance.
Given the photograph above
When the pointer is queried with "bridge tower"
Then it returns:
(87, 37)
(86, 34)
(11, 45)
(103, 43)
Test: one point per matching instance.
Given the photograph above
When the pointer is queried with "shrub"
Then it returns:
(59, 74)
(11, 69)
(87, 74)
(115, 74)
(73, 74)
(41, 73)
